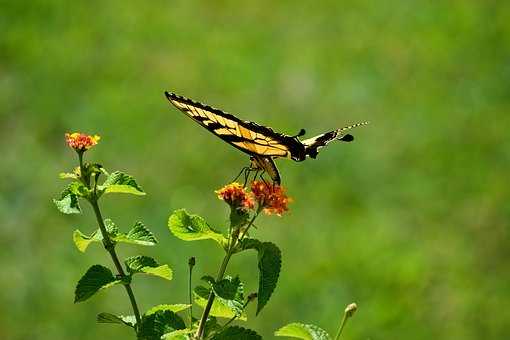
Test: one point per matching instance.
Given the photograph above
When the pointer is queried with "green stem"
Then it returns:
(230, 250)
(191, 264)
(342, 325)
(249, 224)
(107, 242)
(110, 247)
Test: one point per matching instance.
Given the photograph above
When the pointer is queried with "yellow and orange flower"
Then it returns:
(235, 195)
(271, 198)
(80, 141)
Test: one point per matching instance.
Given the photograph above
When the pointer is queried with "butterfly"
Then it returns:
(261, 143)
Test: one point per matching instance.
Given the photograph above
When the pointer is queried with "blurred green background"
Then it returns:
(410, 221)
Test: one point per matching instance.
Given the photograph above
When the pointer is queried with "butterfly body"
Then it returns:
(261, 143)
(266, 165)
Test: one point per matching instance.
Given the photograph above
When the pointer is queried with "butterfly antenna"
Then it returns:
(353, 126)
(348, 137)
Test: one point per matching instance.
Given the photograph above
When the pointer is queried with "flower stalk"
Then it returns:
(107, 242)
(233, 241)
(349, 312)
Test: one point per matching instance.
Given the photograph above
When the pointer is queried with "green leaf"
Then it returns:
(111, 227)
(173, 308)
(118, 182)
(68, 201)
(147, 265)
(192, 228)
(83, 241)
(153, 326)
(128, 320)
(139, 234)
(303, 331)
(237, 333)
(270, 263)
(211, 326)
(68, 175)
(229, 291)
(78, 189)
(219, 308)
(95, 279)
(181, 334)
(209, 279)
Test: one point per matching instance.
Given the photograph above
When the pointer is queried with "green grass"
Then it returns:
(410, 221)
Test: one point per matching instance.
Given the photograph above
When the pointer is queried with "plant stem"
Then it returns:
(191, 264)
(230, 250)
(250, 224)
(342, 325)
(110, 247)
(210, 300)
(107, 242)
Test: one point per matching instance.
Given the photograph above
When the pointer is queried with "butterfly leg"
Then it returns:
(263, 179)
(243, 170)
(247, 175)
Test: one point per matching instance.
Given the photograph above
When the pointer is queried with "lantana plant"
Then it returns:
(221, 296)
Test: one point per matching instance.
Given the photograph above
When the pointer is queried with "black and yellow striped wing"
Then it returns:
(249, 137)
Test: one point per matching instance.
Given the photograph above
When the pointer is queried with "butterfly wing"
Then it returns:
(314, 144)
(249, 137)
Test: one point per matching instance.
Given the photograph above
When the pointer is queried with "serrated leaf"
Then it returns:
(78, 189)
(128, 320)
(67, 203)
(111, 227)
(118, 182)
(95, 279)
(147, 265)
(173, 308)
(139, 234)
(303, 331)
(68, 175)
(82, 241)
(209, 279)
(192, 228)
(219, 308)
(229, 291)
(270, 263)
(155, 325)
(211, 325)
(237, 333)
(181, 334)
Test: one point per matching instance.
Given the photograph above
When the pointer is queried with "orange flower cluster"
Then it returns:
(80, 141)
(236, 196)
(270, 197)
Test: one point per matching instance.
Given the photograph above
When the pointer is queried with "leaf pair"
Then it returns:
(116, 182)
(139, 235)
(99, 277)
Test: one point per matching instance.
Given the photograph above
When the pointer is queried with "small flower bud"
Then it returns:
(350, 309)
(191, 262)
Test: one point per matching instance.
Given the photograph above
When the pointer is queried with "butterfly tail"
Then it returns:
(312, 145)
